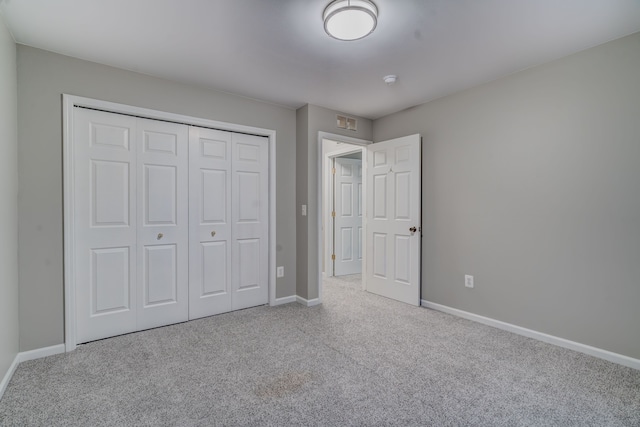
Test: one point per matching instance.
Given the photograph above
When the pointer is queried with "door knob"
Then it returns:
(213, 233)
(413, 229)
(160, 236)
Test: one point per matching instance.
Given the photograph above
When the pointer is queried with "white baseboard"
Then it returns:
(40, 352)
(298, 299)
(540, 336)
(28, 355)
(7, 377)
(284, 300)
(306, 302)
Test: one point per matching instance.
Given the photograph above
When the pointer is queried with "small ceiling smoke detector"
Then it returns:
(390, 79)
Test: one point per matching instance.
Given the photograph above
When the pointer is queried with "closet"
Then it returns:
(170, 222)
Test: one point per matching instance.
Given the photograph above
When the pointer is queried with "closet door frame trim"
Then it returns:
(69, 103)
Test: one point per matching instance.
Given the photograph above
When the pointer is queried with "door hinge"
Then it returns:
(333, 171)
(333, 214)
(333, 257)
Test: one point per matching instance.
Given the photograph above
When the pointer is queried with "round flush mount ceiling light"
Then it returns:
(350, 19)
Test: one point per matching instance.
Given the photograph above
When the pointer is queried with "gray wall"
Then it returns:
(42, 79)
(311, 120)
(8, 202)
(531, 183)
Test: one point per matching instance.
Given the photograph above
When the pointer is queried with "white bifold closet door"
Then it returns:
(131, 210)
(105, 224)
(171, 222)
(162, 223)
(228, 225)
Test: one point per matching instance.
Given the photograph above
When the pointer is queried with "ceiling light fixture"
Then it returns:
(350, 19)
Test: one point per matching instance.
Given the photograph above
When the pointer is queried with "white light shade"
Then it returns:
(350, 19)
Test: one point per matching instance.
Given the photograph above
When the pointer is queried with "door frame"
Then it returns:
(322, 177)
(69, 102)
(329, 192)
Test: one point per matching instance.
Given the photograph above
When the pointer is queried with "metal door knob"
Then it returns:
(160, 236)
(213, 233)
(413, 229)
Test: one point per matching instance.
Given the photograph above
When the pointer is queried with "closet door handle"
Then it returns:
(213, 233)
(160, 236)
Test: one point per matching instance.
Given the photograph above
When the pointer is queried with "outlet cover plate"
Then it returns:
(468, 281)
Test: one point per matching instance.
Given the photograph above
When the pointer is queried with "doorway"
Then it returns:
(391, 200)
(341, 236)
(345, 226)
(342, 212)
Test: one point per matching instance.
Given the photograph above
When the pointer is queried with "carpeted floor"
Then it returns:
(358, 359)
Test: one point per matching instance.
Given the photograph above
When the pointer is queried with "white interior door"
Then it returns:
(250, 217)
(348, 216)
(393, 219)
(210, 222)
(104, 229)
(162, 223)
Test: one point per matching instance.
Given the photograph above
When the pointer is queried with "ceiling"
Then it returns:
(277, 50)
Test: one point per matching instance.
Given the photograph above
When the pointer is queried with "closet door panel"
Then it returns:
(214, 268)
(104, 224)
(250, 210)
(162, 223)
(209, 222)
(109, 282)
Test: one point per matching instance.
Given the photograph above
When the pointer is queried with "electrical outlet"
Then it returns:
(280, 271)
(468, 281)
(304, 210)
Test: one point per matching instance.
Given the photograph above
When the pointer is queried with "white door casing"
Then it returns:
(331, 146)
(393, 213)
(162, 223)
(104, 226)
(348, 216)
